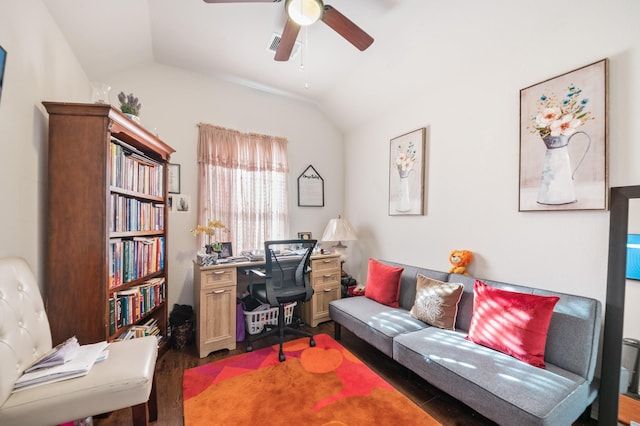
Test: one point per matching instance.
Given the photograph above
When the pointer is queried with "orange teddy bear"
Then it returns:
(460, 259)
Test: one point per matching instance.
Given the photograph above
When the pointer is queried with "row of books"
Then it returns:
(129, 306)
(133, 171)
(130, 214)
(149, 328)
(137, 257)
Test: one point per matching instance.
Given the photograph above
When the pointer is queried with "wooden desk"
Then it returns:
(215, 290)
(628, 409)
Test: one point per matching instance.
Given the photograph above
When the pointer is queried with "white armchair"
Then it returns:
(124, 379)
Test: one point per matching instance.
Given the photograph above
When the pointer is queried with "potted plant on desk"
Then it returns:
(212, 246)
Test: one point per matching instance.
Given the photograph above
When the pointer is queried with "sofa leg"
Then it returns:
(140, 414)
(337, 331)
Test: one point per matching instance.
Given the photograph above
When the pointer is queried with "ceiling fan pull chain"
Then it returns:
(304, 49)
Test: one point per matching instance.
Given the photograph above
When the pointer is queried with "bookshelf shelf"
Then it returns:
(132, 234)
(106, 272)
(140, 195)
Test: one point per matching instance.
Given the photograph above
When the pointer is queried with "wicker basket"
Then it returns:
(257, 319)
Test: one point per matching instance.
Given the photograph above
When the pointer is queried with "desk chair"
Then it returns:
(286, 280)
(124, 379)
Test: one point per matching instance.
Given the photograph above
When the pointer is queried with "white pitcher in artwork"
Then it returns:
(557, 121)
(556, 182)
(405, 159)
(404, 198)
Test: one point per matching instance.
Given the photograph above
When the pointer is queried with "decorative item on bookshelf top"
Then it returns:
(130, 106)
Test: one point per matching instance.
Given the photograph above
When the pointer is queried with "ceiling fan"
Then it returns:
(306, 12)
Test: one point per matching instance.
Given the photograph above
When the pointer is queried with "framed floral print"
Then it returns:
(563, 142)
(406, 173)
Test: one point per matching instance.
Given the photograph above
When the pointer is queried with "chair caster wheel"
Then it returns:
(249, 347)
(312, 343)
(281, 357)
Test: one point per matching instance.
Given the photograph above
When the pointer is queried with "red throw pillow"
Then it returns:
(383, 283)
(510, 322)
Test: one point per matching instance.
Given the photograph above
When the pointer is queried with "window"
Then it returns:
(243, 182)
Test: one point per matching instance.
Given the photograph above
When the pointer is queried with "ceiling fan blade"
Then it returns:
(288, 40)
(346, 28)
(242, 1)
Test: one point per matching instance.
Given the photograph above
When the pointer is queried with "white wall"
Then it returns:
(463, 84)
(174, 101)
(40, 66)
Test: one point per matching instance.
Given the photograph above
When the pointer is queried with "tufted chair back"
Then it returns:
(24, 328)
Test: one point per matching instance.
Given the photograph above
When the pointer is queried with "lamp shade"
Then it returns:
(339, 229)
(304, 12)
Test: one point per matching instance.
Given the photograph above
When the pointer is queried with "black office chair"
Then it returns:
(285, 279)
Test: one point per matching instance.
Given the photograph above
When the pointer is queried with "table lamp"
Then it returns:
(339, 230)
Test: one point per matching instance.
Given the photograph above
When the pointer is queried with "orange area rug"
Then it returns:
(324, 385)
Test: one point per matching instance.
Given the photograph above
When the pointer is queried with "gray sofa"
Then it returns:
(500, 387)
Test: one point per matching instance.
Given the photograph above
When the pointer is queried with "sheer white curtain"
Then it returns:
(243, 182)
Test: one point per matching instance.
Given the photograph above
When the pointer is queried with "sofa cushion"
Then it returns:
(511, 322)
(436, 302)
(383, 283)
(373, 322)
(500, 387)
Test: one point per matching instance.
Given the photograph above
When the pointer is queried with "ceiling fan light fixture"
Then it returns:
(304, 12)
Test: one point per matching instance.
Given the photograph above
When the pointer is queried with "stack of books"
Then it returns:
(149, 328)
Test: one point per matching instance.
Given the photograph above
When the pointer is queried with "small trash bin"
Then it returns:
(631, 361)
(181, 324)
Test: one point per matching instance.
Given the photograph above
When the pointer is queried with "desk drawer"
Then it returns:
(218, 277)
(319, 265)
(325, 277)
(317, 310)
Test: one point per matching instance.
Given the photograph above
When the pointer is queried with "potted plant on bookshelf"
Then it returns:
(130, 106)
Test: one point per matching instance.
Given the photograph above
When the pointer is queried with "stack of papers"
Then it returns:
(80, 365)
(62, 353)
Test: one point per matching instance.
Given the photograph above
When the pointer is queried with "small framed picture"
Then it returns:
(304, 235)
(181, 203)
(227, 250)
(174, 178)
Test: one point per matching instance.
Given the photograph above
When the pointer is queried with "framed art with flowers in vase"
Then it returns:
(406, 173)
(563, 142)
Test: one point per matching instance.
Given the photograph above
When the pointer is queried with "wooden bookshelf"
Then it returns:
(106, 244)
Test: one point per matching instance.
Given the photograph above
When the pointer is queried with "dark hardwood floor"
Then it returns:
(439, 405)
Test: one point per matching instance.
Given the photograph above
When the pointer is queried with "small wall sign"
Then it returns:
(310, 188)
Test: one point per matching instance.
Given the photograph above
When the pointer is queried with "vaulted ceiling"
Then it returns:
(229, 40)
